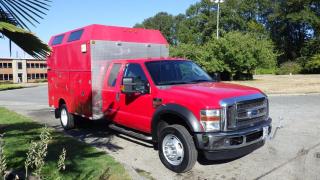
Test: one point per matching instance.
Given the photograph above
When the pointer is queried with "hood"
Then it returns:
(213, 91)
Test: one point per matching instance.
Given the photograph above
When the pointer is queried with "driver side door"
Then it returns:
(135, 109)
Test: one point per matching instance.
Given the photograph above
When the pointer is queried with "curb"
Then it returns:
(292, 94)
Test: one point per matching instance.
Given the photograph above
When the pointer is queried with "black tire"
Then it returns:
(190, 152)
(67, 123)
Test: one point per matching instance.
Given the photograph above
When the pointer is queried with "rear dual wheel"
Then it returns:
(177, 150)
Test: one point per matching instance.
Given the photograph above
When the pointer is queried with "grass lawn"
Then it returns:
(9, 86)
(285, 84)
(82, 160)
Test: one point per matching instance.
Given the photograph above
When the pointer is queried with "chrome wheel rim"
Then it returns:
(172, 149)
(64, 117)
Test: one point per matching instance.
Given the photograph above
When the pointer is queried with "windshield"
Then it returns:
(169, 72)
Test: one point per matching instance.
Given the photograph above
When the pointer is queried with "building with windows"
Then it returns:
(22, 70)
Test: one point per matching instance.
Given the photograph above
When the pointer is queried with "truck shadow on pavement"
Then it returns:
(102, 137)
(206, 162)
(97, 134)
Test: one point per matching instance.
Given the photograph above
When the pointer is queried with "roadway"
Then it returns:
(293, 154)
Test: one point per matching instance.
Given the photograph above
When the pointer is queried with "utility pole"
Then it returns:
(218, 14)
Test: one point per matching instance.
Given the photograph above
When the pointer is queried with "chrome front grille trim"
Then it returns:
(232, 107)
(259, 111)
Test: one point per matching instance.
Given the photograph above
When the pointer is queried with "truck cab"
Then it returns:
(168, 98)
(171, 102)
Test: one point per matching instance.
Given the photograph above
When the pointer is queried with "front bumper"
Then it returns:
(229, 145)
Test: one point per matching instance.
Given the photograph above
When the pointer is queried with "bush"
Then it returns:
(37, 153)
(41, 81)
(289, 67)
(202, 55)
(265, 71)
(242, 53)
(313, 66)
(188, 51)
(236, 55)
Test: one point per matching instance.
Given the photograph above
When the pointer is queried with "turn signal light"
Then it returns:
(210, 119)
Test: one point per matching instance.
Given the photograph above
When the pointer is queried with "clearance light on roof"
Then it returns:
(83, 48)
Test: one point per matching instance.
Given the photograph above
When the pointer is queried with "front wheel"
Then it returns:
(66, 118)
(177, 150)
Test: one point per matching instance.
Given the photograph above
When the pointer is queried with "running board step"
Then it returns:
(130, 133)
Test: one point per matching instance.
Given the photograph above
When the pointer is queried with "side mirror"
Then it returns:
(216, 76)
(130, 86)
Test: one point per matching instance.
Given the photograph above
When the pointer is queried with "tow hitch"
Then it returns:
(280, 126)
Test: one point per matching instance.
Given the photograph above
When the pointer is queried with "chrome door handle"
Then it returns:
(118, 96)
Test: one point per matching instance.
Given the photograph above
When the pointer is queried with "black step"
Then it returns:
(130, 132)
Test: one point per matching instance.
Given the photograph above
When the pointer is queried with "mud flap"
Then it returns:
(57, 113)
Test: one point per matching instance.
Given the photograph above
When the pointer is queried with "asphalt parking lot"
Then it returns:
(293, 154)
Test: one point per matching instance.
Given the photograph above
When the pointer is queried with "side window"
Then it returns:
(57, 40)
(113, 75)
(135, 71)
(76, 35)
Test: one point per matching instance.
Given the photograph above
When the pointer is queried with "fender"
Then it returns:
(182, 112)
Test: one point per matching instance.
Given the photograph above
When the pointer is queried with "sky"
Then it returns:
(65, 15)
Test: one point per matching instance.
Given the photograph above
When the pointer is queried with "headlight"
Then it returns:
(210, 119)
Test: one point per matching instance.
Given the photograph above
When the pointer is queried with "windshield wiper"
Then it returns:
(185, 82)
(201, 80)
(173, 82)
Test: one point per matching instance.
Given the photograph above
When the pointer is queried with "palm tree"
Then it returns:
(15, 16)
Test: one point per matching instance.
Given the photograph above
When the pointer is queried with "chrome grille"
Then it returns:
(247, 113)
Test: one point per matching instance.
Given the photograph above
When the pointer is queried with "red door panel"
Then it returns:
(110, 92)
(135, 110)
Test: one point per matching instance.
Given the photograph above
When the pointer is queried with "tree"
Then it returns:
(199, 24)
(245, 15)
(163, 22)
(313, 66)
(293, 23)
(14, 17)
(292, 27)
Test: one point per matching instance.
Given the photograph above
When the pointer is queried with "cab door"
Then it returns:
(135, 109)
(111, 92)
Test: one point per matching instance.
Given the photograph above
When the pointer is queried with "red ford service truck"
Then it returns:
(124, 75)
